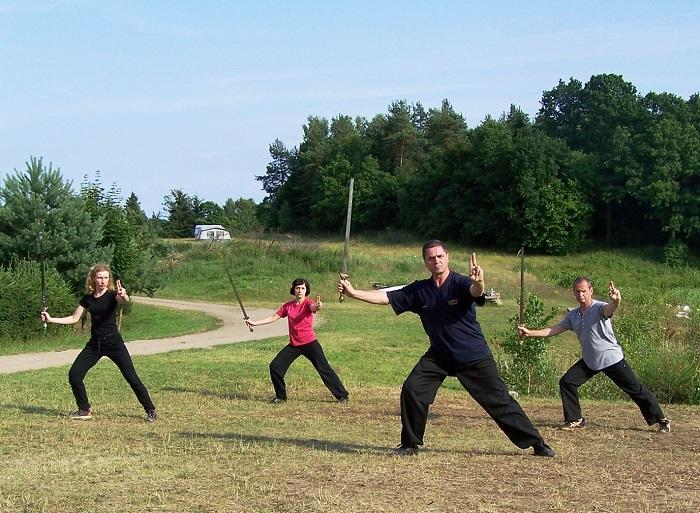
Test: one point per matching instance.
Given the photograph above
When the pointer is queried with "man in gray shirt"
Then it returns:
(600, 352)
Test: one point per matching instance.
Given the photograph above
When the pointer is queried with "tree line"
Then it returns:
(599, 162)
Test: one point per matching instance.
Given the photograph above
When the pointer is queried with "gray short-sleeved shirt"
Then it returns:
(599, 347)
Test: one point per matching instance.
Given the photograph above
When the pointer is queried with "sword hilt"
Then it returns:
(343, 276)
(249, 326)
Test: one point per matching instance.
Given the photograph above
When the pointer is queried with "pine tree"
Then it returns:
(39, 200)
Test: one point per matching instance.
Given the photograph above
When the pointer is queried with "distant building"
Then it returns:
(211, 232)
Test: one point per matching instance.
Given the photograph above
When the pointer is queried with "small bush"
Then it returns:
(676, 254)
(20, 301)
(526, 370)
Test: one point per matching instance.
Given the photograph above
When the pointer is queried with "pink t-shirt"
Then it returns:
(301, 321)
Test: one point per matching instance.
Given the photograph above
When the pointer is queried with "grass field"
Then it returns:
(219, 446)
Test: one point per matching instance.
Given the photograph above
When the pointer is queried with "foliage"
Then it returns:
(278, 169)
(20, 301)
(526, 369)
(133, 260)
(119, 234)
(39, 200)
(600, 161)
(644, 152)
(181, 214)
(676, 253)
(184, 212)
(658, 355)
(135, 215)
(240, 216)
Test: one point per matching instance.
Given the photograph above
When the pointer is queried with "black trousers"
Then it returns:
(89, 357)
(312, 352)
(622, 375)
(484, 384)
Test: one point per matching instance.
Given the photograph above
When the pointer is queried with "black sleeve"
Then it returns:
(404, 299)
(466, 283)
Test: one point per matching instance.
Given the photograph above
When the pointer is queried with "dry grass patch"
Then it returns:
(225, 449)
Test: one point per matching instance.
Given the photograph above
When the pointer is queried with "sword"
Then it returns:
(238, 297)
(42, 260)
(344, 272)
(521, 314)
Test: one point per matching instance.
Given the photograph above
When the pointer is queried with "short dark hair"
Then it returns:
(581, 279)
(434, 243)
(300, 281)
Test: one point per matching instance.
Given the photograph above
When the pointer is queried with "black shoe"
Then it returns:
(404, 450)
(151, 416)
(344, 400)
(543, 449)
(277, 400)
(664, 426)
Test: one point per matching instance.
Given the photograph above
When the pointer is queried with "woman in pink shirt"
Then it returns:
(302, 342)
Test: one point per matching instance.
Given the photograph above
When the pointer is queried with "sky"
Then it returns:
(162, 95)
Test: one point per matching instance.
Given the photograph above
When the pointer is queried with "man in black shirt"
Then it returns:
(446, 304)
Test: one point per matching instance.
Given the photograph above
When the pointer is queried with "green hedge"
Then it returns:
(20, 300)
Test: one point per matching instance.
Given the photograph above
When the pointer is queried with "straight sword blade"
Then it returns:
(42, 271)
(238, 297)
(346, 249)
(521, 313)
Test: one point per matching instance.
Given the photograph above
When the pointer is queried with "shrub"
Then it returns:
(526, 370)
(676, 254)
(20, 301)
(666, 359)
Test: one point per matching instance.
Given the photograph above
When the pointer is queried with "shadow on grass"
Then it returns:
(36, 410)
(210, 393)
(333, 446)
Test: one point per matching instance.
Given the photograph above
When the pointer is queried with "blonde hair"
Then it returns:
(90, 280)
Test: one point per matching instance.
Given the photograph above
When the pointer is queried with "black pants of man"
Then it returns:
(482, 381)
(89, 357)
(312, 352)
(622, 375)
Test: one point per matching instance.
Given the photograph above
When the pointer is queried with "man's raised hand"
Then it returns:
(614, 292)
(476, 273)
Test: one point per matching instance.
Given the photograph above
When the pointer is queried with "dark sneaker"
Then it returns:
(81, 415)
(404, 450)
(277, 400)
(344, 400)
(573, 424)
(151, 416)
(664, 426)
(543, 449)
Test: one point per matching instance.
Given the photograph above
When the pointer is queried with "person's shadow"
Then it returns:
(210, 393)
(35, 410)
(327, 445)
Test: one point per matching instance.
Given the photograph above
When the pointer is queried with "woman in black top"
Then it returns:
(101, 300)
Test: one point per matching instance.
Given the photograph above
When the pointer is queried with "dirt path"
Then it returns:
(232, 330)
